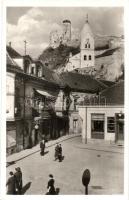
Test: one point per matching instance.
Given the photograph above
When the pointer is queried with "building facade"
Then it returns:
(105, 120)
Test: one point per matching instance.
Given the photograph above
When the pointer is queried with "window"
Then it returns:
(85, 45)
(32, 70)
(97, 125)
(88, 45)
(110, 124)
(89, 57)
(75, 123)
(85, 57)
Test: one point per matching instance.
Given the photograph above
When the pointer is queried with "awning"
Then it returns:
(44, 93)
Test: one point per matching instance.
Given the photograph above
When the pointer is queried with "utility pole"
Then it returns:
(25, 46)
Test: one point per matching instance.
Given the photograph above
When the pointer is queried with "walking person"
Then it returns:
(18, 180)
(42, 147)
(11, 184)
(56, 151)
(60, 153)
(50, 185)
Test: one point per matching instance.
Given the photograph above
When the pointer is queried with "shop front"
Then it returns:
(102, 122)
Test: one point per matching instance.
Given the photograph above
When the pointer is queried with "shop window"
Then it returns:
(110, 124)
(85, 57)
(97, 123)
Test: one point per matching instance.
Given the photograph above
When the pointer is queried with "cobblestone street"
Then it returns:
(106, 167)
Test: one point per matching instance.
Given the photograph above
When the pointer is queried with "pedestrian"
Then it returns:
(56, 151)
(42, 147)
(11, 184)
(60, 153)
(18, 180)
(50, 185)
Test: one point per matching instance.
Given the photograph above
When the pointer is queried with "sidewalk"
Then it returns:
(95, 145)
(11, 159)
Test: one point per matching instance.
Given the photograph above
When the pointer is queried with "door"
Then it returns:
(120, 130)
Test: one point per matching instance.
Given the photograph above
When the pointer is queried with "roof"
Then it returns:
(79, 82)
(50, 75)
(109, 52)
(12, 53)
(107, 83)
(86, 29)
(11, 64)
(114, 94)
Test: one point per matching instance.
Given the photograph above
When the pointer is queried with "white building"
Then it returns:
(105, 122)
(86, 57)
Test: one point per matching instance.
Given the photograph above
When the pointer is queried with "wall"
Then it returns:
(85, 114)
(10, 87)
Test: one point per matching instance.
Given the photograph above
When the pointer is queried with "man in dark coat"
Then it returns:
(56, 151)
(60, 153)
(18, 178)
(42, 147)
(11, 184)
(50, 186)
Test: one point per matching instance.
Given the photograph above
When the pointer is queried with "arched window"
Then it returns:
(85, 45)
(85, 57)
(89, 57)
(88, 45)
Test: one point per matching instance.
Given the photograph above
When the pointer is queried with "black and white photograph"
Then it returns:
(65, 100)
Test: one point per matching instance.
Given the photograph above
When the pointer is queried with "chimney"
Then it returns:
(9, 44)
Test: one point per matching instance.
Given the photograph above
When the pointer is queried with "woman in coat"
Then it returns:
(50, 186)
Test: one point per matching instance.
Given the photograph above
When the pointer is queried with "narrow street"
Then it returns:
(106, 167)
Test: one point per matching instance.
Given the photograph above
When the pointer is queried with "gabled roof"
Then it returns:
(79, 82)
(13, 53)
(12, 65)
(114, 94)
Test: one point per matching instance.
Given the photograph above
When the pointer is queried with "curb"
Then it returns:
(11, 162)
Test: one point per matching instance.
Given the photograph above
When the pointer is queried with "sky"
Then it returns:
(34, 24)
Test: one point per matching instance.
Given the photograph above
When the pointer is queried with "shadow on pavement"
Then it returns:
(26, 187)
(56, 192)
(46, 152)
(10, 163)
(97, 187)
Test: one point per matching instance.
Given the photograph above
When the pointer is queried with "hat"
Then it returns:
(50, 175)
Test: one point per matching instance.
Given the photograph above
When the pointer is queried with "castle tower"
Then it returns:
(66, 30)
(87, 46)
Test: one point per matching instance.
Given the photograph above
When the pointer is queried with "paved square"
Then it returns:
(106, 167)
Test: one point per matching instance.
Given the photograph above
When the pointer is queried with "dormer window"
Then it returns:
(26, 66)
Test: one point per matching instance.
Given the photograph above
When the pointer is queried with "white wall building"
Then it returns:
(102, 122)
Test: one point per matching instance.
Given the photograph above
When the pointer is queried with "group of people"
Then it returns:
(14, 183)
(58, 152)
